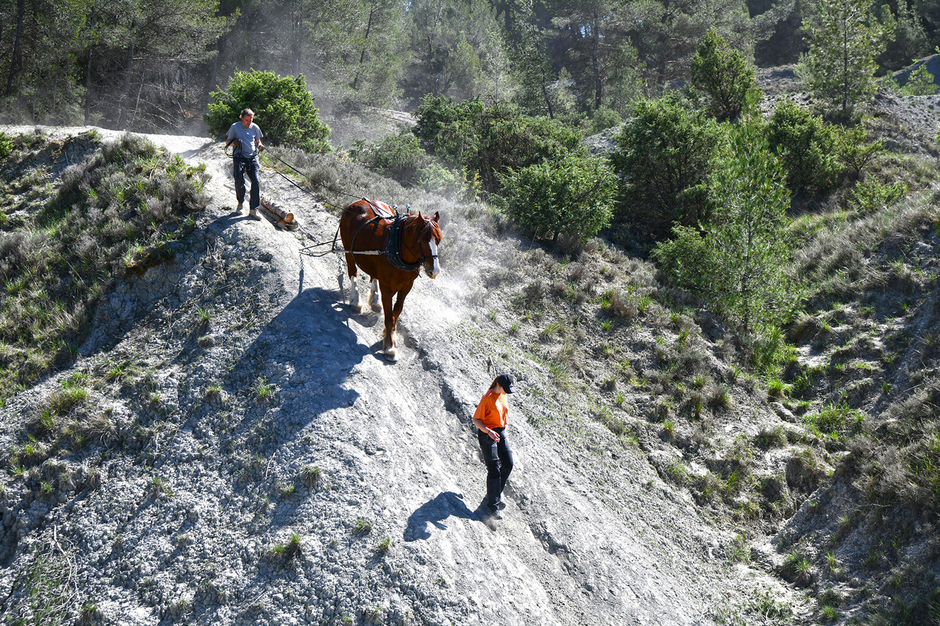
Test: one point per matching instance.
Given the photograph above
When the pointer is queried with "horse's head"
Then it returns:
(429, 236)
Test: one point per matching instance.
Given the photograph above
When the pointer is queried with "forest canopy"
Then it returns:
(150, 65)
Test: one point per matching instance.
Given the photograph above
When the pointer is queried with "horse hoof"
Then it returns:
(391, 355)
(357, 308)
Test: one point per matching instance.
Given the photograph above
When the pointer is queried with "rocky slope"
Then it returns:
(249, 458)
(246, 456)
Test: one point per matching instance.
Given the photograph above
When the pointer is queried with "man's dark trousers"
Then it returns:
(247, 166)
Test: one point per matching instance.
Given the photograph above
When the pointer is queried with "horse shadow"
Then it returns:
(294, 373)
(435, 512)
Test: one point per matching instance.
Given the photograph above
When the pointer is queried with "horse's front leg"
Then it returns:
(388, 336)
(374, 300)
(391, 321)
(353, 287)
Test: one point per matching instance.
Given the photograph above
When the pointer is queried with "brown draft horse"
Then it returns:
(393, 249)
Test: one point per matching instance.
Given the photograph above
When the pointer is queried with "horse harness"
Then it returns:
(393, 242)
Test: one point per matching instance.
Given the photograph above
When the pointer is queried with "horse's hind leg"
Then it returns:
(374, 299)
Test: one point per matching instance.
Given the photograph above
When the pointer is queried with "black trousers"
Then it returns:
(498, 459)
(247, 166)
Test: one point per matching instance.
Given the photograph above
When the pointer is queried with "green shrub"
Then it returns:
(919, 83)
(870, 196)
(807, 146)
(283, 109)
(401, 157)
(723, 76)
(663, 155)
(573, 196)
(855, 151)
(603, 119)
(445, 128)
(489, 140)
(6, 145)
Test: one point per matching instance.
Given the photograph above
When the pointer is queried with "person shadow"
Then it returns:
(435, 512)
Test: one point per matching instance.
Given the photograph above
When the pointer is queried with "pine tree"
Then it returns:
(843, 40)
(723, 75)
(738, 265)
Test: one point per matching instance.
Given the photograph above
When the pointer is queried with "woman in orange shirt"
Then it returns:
(490, 420)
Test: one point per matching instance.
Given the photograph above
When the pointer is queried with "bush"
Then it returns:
(490, 140)
(920, 83)
(445, 128)
(603, 119)
(807, 146)
(663, 155)
(572, 196)
(6, 145)
(283, 109)
(396, 156)
(402, 158)
(870, 196)
(722, 74)
(856, 152)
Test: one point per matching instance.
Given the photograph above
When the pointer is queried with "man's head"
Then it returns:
(246, 116)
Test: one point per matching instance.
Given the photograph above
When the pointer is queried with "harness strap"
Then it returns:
(393, 242)
(393, 248)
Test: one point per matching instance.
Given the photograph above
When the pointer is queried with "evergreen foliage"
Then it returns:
(6, 145)
(908, 38)
(283, 109)
(920, 83)
(663, 155)
(778, 31)
(490, 140)
(455, 50)
(603, 119)
(807, 146)
(572, 196)
(839, 67)
(666, 34)
(533, 73)
(737, 265)
(150, 66)
(724, 77)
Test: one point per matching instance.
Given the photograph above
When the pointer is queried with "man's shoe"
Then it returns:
(500, 505)
(241, 205)
(494, 512)
(253, 214)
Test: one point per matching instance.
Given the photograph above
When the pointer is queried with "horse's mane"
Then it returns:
(430, 228)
